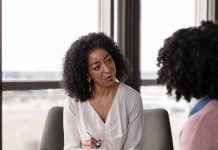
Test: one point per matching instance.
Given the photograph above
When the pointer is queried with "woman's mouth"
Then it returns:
(109, 78)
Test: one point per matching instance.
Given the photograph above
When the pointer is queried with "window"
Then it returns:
(36, 35)
(159, 19)
(24, 114)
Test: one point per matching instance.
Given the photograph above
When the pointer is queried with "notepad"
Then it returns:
(86, 149)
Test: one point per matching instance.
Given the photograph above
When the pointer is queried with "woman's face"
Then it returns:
(101, 68)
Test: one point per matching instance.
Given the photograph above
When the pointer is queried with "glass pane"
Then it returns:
(155, 97)
(159, 19)
(36, 35)
(24, 114)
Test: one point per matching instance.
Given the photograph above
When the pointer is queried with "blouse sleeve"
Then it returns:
(135, 125)
(71, 133)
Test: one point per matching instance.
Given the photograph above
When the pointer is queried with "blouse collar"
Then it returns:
(200, 105)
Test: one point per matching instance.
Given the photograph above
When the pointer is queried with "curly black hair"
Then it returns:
(188, 62)
(75, 64)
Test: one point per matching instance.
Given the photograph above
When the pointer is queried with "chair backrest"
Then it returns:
(156, 130)
(53, 134)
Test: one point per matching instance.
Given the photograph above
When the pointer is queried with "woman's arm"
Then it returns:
(135, 124)
(71, 133)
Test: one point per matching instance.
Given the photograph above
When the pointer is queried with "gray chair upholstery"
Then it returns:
(53, 134)
(156, 130)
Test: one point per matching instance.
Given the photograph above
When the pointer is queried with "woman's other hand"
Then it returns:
(90, 143)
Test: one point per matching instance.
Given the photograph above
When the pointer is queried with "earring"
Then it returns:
(90, 88)
(117, 80)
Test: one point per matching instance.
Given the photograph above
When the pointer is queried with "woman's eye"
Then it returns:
(109, 60)
(96, 68)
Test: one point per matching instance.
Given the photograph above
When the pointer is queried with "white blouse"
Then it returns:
(122, 129)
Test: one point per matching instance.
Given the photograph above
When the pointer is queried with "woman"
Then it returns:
(110, 111)
(188, 64)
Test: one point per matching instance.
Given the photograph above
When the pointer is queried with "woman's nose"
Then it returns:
(107, 69)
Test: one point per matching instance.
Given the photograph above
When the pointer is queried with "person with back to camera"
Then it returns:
(110, 111)
(188, 63)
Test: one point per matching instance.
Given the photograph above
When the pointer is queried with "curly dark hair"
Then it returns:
(75, 64)
(188, 62)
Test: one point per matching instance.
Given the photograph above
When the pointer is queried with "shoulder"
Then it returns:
(132, 98)
(202, 117)
(201, 127)
(69, 103)
(129, 92)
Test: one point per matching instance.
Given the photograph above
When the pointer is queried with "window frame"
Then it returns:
(128, 35)
(1, 71)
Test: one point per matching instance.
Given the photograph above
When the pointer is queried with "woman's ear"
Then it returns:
(88, 76)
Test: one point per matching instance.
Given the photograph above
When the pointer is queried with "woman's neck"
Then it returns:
(99, 91)
(201, 98)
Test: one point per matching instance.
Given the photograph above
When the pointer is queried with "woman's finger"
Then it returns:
(92, 139)
(99, 142)
(90, 143)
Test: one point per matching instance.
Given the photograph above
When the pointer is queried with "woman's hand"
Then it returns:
(91, 143)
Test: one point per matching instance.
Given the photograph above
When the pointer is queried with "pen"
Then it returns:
(98, 145)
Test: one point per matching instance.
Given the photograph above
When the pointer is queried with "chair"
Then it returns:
(53, 134)
(156, 130)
